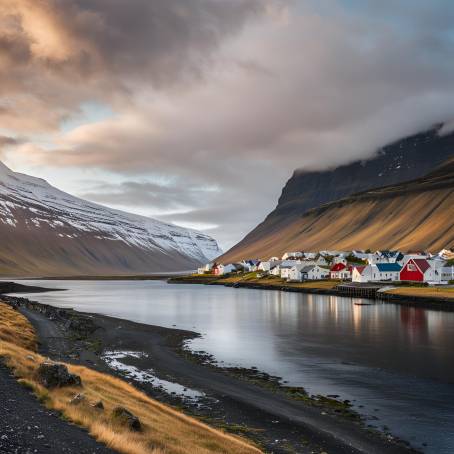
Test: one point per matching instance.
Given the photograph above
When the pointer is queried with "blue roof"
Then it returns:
(388, 267)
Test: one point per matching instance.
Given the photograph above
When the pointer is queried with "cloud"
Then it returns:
(56, 54)
(233, 95)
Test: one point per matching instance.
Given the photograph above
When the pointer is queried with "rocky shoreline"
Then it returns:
(248, 402)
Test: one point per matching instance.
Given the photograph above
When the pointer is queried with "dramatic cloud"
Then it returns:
(55, 54)
(221, 99)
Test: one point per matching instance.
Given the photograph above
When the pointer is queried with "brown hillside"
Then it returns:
(415, 215)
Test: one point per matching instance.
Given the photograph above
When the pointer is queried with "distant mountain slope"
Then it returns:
(44, 231)
(407, 159)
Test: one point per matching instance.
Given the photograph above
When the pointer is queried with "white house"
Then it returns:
(285, 271)
(339, 259)
(447, 273)
(386, 272)
(315, 273)
(293, 255)
(341, 271)
(250, 265)
(362, 273)
(221, 269)
(205, 269)
(295, 272)
(320, 260)
(266, 266)
(376, 272)
(302, 272)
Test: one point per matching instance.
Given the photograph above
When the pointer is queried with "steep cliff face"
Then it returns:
(44, 231)
(404, 160)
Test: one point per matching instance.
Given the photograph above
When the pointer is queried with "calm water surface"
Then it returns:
(396, 364)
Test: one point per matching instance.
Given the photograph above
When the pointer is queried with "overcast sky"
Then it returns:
(198, 111)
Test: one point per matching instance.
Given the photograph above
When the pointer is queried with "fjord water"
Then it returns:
(395, 363)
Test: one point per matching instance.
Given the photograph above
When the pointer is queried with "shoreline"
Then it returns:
(242, 401)
(444, 304)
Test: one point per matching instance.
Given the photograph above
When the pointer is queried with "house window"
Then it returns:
(411, 267)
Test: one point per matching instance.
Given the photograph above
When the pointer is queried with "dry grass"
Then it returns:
(431, 292)
(15, 328)
(424, 224)
(276, 281)
(165, 430)
(323, 284)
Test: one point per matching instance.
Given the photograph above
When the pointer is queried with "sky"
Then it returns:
(197, 112)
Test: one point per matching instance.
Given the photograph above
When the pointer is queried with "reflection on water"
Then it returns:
(395, 363)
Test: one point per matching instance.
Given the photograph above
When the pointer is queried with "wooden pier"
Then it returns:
(358, 290)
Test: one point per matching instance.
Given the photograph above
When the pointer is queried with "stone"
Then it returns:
(126, 418)
(54, 375)
(98, 405)
(77, 399)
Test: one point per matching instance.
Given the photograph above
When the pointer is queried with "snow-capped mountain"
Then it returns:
(44, 230)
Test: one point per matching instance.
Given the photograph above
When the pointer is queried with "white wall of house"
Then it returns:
(447, 273)
(318, 273)
(288, 255)
(365, 276)
(285, 272)
(264, 266)
(295, 273)
(225, 269)
(371, 273)
(315, 273)
(339, 259)
(343, 274)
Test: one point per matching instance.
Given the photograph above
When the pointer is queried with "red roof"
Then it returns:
(338, 267)
(360, 268)
(422, 264)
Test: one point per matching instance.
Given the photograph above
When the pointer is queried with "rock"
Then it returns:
(83, 326)
(77, 399)
(125, 417)
(98, 405)
(53, 375)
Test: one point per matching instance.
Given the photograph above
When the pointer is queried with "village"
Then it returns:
(354, 266)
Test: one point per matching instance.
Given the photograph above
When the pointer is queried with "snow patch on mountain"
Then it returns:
(24, 198)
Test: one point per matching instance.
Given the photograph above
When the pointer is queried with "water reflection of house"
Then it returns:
(414, 320)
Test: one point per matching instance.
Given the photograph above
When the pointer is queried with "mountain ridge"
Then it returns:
(403, 160)
(47, 231)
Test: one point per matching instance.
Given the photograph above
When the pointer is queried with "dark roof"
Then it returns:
(384, 267)
(308, 268)
(422, 264)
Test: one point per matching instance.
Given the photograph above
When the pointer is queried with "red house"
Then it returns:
(418, 270)
(340, 271)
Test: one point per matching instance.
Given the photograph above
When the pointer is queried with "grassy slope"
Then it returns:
(428, 292)
(251, 278)
(166, 431)
(412, 216)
